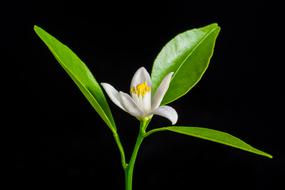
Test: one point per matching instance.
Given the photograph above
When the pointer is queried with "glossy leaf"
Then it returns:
(188, 56)
(80, 74)
(213, 135)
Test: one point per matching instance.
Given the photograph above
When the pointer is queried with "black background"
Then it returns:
(55, 138)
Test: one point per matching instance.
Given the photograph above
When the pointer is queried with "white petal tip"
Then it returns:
(169, 75)
(140, 76)
(174, 118)
(167, 112)
(112, 93)
(142, 68)
(173, 122)
(104, 84)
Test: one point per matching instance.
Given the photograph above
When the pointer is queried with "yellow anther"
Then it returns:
(141, 89)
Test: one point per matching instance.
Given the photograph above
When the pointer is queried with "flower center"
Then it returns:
(141, 89)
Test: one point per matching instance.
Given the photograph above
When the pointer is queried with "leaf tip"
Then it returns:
(266, 155)
(36, 28)
(269, 156)
(215, 25)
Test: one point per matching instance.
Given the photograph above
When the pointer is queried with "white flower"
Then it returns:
(143, 104)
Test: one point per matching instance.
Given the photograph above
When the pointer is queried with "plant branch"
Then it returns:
(130, 167)
(121, 149)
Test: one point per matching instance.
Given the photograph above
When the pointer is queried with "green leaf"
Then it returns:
(80, 74)
(213, 135)
(188, 56)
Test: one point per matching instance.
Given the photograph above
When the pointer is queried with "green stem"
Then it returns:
(129, 170)
(121, 149)
(154, 131)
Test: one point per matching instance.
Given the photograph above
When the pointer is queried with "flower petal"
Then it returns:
(167, 112)
(130, 106)
(113, 94)
(140, 76)
(146, 100)
(160, 92)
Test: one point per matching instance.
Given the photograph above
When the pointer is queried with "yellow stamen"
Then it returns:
(141, 89)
